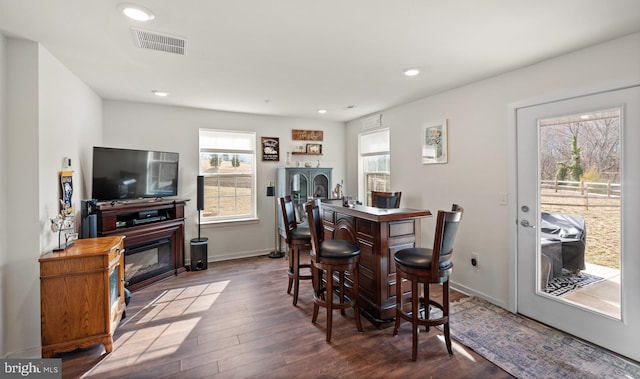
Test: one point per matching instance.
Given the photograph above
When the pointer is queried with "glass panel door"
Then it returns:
(577, 216)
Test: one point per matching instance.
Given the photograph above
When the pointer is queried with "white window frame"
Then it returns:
(208, 144)
(369, 151)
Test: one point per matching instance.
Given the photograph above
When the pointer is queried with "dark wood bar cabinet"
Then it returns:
(379, 233)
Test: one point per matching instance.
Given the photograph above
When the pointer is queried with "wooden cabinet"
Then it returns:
(304, 183)
(81, 295)
(145, 223)
(379, 233)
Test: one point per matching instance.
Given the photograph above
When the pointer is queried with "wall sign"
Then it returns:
(271, 149)
(306, 135)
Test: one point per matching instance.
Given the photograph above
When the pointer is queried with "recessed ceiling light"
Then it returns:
(322, 111)
(160, 93)
(136, 12)
(411, 72)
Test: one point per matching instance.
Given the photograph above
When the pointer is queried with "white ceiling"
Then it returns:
(293, 57)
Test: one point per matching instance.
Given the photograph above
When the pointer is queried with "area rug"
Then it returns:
(568, 282)
(527, 349)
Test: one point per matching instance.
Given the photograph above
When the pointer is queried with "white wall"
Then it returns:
(22, 292)
(50, 114)
(70, 124)
(478, 152)
(145, 126)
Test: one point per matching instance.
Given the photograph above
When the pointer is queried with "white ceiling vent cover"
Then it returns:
(146, 39)
(372, 122)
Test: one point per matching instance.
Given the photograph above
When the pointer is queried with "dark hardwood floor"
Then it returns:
(235, 320)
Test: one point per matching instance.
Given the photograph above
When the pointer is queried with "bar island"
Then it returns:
(379, 233)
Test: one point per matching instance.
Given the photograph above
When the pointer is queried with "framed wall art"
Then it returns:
(434, 142)
(314, 148)
(306, 135)
(271, 149)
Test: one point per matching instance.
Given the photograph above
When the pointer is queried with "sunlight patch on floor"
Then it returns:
(457, 348)
(167, 322)
(602, 297)
(145, 345)
(183, 301)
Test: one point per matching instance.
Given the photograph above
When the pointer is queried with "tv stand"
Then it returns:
(144, 222)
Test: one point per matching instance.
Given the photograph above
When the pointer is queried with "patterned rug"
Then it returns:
(528, 349)
(568, 282)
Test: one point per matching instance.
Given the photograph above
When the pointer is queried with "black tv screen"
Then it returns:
(125, 174)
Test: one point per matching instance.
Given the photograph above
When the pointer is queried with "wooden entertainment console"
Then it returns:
(143, 222)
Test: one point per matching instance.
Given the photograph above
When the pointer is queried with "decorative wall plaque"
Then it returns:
(271, 149)
(306, 135)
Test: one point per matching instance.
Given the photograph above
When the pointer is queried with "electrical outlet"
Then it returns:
(475, 260)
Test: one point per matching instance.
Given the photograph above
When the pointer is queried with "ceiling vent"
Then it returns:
(372, 122)
(146, 39)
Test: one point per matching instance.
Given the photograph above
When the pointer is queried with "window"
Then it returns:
(375, 163)
(227, 162)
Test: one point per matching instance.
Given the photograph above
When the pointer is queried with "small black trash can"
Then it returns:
(199, 254)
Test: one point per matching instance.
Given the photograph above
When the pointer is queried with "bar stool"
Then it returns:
(422, 265)
(332, 256)
(298, 239)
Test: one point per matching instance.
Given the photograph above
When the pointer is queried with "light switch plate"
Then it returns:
(503, 198)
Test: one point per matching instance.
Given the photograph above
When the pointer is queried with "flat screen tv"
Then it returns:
(125, 174)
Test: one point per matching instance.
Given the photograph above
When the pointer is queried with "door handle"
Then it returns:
(526, 224)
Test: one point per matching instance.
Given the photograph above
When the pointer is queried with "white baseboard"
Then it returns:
(471, 292)
(34, 352)
(237, 255)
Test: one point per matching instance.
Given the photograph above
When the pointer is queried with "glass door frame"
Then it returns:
(512, 169)
(612, 332)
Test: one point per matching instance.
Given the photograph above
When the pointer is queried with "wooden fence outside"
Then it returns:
(581, 191)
